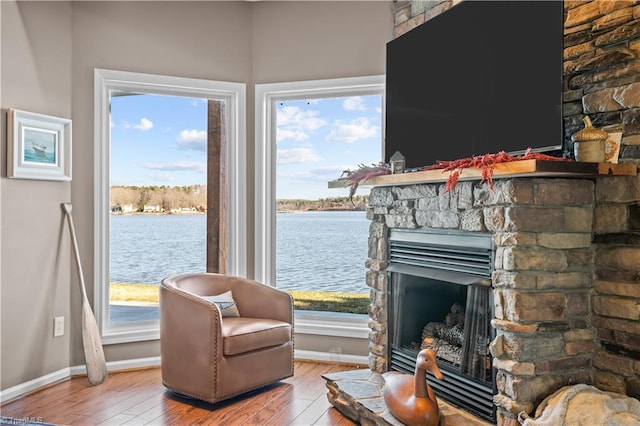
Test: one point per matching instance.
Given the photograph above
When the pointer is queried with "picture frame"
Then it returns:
(38, 146)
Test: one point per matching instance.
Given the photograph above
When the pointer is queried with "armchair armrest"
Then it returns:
(258, 300)
(190, 341)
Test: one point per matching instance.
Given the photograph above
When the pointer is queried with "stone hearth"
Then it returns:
(358, 395)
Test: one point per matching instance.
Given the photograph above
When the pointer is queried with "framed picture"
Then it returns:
(38, 146)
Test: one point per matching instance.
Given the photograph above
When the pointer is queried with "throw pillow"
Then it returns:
(225, 303)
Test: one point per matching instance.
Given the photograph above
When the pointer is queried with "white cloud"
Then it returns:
(297, 156)
(323, 175)
(359, 128)
(144, 124)
(328, 173)
(193, 139)
(354, 103)
(178, 166)
(293, 123)
(284, 134)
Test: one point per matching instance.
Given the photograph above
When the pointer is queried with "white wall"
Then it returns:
(35, 251)
(49, 51)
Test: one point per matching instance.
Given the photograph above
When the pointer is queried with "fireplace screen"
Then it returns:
(440, 297)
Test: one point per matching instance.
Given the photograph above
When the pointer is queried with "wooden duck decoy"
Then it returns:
(409, 398)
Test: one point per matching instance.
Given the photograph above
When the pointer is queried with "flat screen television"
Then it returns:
(482, 77)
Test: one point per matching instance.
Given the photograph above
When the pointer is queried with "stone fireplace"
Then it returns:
(566, 271)
(554, 271)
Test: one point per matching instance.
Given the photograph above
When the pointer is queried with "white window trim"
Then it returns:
(235, 95)
(355, 326)
(266, 97)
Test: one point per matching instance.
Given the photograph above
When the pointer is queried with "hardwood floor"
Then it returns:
(138, 398)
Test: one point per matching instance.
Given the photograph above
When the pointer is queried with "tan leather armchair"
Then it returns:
(211, 358)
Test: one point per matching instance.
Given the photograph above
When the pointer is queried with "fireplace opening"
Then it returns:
(440, 297)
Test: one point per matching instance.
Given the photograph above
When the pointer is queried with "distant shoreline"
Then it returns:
(319, 210)
(193, 200)
(204, 213)
(157, 213)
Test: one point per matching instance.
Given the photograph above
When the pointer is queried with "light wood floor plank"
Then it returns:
(315, 410)
(139, 398)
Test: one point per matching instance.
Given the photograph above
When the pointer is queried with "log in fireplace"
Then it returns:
(440, 297)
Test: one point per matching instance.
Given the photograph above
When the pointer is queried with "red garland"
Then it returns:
(485, 162)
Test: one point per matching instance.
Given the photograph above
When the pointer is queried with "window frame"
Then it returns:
(234, 94)
(267, 95)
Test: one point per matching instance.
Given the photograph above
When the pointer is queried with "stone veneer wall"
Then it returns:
(584, 326)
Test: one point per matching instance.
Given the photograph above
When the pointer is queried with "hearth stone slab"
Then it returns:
(358, 395)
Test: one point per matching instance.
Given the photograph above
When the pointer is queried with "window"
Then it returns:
(275, 102)
(143, 137)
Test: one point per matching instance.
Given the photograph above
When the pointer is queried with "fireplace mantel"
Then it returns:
(521, 168)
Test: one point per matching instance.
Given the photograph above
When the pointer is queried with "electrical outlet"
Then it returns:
(58, 326)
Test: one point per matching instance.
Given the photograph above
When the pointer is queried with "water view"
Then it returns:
(318, 250)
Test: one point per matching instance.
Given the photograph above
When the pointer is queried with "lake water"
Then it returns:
(323, 251)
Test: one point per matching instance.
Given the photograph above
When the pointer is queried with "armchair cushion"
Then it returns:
(225, 304)
(242, 334)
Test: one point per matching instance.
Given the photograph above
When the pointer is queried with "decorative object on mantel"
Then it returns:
(589, 143)
(409, 398)
(397, 162)
(583, 404)
(612, 147)
(486, 163)
(362, 174)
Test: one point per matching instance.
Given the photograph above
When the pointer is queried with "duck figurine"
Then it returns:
(409, 398)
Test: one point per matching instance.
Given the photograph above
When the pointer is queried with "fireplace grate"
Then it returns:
(468, 255)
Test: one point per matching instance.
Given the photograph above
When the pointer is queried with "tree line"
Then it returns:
(325, 204)
(129, 199)
(166, 199)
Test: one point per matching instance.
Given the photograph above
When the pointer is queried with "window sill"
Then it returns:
(306, 322)
(332, 324)
(133, 333)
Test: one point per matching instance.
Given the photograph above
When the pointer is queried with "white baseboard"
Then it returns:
(63, 374)
(31, 386)
(22, 389)
(132, 364)
(301, 355)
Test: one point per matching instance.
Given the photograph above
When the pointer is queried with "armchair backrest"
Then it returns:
(253, 299)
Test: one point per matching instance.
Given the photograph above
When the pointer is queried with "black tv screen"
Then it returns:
(482, 77)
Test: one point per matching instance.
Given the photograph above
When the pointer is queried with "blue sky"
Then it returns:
(161, 140)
